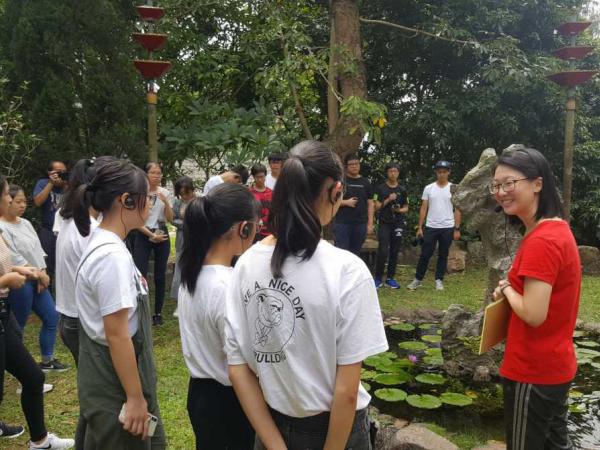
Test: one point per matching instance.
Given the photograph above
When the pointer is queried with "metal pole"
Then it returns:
(568, 154)
(152, 99)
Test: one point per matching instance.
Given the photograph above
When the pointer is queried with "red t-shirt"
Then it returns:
(264, 198)
(545, 355)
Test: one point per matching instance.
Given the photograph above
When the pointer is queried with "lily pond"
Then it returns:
(409, 382)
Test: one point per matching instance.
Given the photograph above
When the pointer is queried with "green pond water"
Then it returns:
(409, 382)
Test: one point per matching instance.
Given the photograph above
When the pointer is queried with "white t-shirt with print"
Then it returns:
(293, 332)
(157, 212)
(70, 245)
(211, 183)
(106, 284)
(440, 213)
(270, 181)
(202, 324)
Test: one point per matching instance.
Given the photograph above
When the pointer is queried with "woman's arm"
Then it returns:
(168, 210)
(532, 306)
(250, 395)
(343, 407)
(122, 353)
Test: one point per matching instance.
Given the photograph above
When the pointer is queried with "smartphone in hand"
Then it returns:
(152, 420)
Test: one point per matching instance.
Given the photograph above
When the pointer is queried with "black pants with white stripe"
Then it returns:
(535, 416)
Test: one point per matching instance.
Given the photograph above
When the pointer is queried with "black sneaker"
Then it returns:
(10, 431)
(53, 366)
(157, 320)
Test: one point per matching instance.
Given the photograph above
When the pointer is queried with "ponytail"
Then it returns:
(206, 220)
(293, 218)
(113, 179)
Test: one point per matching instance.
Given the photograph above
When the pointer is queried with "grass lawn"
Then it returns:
(61, 403)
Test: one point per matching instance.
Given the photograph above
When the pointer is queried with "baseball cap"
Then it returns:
(442, 165)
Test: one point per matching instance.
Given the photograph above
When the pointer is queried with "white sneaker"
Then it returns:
(47, 388)
(52, 442)
(439, 285)
(414, 284)
(176, 312)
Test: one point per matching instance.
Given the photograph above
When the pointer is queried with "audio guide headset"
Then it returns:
(129, 203)
(245, 230)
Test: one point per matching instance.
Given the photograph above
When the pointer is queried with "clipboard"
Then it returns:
(495, 324)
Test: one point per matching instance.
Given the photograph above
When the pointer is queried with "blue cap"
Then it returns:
(442, 165)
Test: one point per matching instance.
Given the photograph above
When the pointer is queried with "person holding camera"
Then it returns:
(442, 225)
(47, 195)
(391, 202)
(355, 218)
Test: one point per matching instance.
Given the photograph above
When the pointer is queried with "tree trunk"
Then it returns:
(333, 107)
(351, 74)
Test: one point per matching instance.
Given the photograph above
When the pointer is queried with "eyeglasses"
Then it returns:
(150, 198)
(507, 186)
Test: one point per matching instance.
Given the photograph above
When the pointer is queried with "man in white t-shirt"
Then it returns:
(275, 163)
(235, 175)
(441, 227)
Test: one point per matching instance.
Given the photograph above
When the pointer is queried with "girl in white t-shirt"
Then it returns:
(216, 228)
(301, 317)
(116, 375)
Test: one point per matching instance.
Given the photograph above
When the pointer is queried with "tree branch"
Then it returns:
(417, 31)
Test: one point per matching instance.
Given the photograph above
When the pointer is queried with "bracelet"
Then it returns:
(504, 287)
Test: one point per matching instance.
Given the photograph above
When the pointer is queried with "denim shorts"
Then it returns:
(309, 433)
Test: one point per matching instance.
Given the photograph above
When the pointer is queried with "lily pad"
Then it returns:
(434, 351)
(391, 394)
(456, 399)
(439, 332)
(583, 361)
(391, 379)
(579, 333)
(375, 360)
(394, 366)
(433, 360)
(367, 386)
(426, 326)
(367, 374)
(414, 346)
(433, 338)
(588, 343)
(388, 355)
(430, 378)
(403, 326)
(424, 401)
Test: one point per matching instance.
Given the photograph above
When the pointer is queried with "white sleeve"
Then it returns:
(426, 193)
(360, 331)
(112, 279)
(16, 258)
(58, 220)
(234, 315)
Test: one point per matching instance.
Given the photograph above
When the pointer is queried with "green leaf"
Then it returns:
(430, 378)
(402, 327)
(587, 353)
(375, 360)
(577, 408)
(595, 365)
(456, 399)
(426, 326)
(579, 333)
(575, 394)
(433, 360)
(412, 345)
(434, 351)
(367, 374)
(424, 401)
(391, 379)
(588, 343)
(433, 338)
(394, 366)
(390, 355)
(367, 386)
(391, 394)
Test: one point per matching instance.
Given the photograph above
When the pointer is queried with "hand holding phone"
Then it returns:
(130, 425)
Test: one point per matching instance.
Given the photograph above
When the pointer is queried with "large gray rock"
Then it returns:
(460, 332)
(457, 258)
(475, 253)
(412, 437)
(590, 259)
(499, 238)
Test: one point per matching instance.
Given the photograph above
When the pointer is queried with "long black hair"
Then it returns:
(293, 219)
(532, 164)
(112, 180)
(82, 172)
(207, 219)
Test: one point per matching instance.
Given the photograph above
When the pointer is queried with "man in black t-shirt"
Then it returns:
(355, 217)
(391, 202)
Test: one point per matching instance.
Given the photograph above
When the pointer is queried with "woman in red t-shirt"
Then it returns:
(264, 195)
(543, 288)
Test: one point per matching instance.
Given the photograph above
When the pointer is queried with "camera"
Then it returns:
(63, 175)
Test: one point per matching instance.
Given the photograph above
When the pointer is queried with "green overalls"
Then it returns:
(101, 395)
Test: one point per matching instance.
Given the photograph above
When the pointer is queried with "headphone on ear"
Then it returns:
(245, 230)
(129, 203)
(337, 195)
